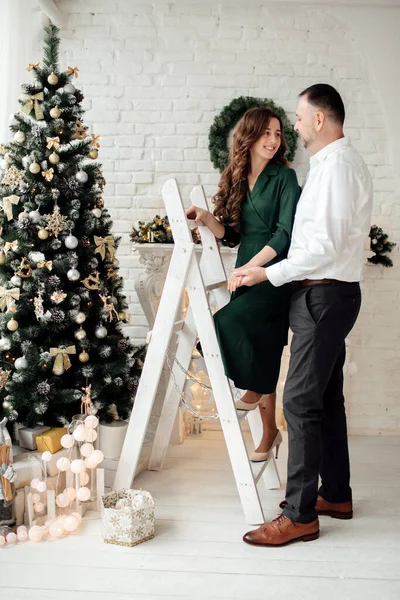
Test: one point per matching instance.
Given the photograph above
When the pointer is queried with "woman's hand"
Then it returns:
(249, 276)
(234, 282)
(198, 215)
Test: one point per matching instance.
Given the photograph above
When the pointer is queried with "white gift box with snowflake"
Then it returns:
(127, 517)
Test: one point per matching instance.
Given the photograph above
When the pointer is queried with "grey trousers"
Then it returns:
(321, 316)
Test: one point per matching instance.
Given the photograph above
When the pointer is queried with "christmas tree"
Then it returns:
(61, 298)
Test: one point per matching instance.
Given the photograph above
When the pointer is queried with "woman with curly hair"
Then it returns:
(254, 207)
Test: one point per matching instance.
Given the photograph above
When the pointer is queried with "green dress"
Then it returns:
(252, 329)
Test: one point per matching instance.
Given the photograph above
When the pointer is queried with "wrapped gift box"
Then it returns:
(27, 436)
(127, 517)
(27, 467)
(51, 440)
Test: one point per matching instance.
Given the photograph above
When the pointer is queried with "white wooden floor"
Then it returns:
(198, 553)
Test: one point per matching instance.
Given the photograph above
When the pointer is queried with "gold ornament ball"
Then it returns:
(12, 325)
(93, 153)
(52, 79)
(96, 213)
(34, 168)
(19, 137)
(43, 234)
(55, 112)
(2, 258)
(83, 357)
(80, 318)
(54, 158)
(122, 315)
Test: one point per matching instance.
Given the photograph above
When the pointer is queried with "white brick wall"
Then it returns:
(155, 74)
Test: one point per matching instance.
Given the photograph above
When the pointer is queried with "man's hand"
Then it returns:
(198, 215)
(247, 276)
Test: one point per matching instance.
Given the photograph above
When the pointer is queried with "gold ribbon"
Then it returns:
(7, 297)
(53, 142)
(62, 360)
(45, 263)
(33, 66)
(10, 246)
(8, 201)
(48, 175)
(72, 70)
(32, 102)
(105, 244)
(95, 140)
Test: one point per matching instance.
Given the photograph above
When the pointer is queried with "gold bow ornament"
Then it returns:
(62, 361)
(48, 175)
(8, 201)
(104, 245)
(72, 70)
(10, 246)
(53, 142)
(32, 102)
(7, 298)
(33, 66)
(45, 263)
(95, 140)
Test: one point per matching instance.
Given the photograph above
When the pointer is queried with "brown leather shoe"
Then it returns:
(336, 510)
(282, 531)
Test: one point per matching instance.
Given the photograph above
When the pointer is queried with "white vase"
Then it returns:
(111, 438)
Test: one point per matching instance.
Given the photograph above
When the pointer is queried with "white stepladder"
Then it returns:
(199, 280)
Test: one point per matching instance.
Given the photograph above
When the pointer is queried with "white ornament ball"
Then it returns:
(83, 494)
(63, 463)
(36, 497)
(5, 344)
(34, 483)
(96, 212)
(56, 529)
(67, 441)
(2, 540)
(16, 280)
(70, 493)
(69, 88)
(52, 79)
(73, 274)
(42, 486)
(46, 456)
(34, 168)
(11, 538)
(78, 465)
(34, 216)
(91, 435)
(71, 242)
(12, 325)
(62, 500)
(38, 507)
(22, 534)
(87, 449)
(22, 215)
(70, 523)
(91, 421)
(54, 158)
(22, 528)
(79, 433)
(35, 533)
(55, 112)
(19, 137)
(21, 363)
(100, 332)
(82, 176)
(98, 455)
(80, 334)
(91, 462)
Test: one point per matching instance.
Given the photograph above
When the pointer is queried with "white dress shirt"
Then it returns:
(332, 220)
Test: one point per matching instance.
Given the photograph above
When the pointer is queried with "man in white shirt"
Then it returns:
(324, 264)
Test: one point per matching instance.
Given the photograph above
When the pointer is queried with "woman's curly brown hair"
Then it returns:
(232, 188)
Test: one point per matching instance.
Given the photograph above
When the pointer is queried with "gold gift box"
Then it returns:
(51, 440)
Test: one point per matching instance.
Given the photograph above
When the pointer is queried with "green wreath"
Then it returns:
(227, 119)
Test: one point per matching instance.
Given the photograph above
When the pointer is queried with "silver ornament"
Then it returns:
(69, 88)
(21, 363)
(73, 274)
(34, 216)
(82, 176)
(5, 343)
(16, 280)
(71, 242)
(100, 332)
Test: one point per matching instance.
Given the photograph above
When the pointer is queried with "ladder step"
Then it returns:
(259, 468)
(178, 326)
(214, 285)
